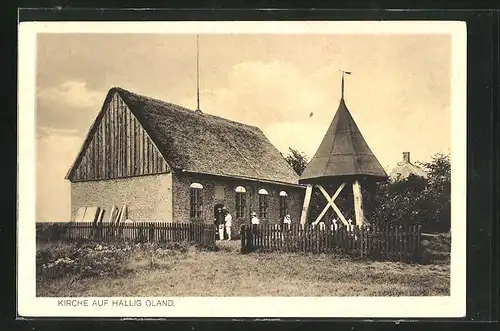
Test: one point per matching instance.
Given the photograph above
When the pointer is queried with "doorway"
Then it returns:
(219, 219)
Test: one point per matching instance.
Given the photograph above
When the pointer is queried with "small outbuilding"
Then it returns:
(405, 168)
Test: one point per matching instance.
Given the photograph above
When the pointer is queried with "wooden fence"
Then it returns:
(199, 233)
(398, 243)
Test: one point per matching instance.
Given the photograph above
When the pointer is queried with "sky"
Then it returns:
(399, 92)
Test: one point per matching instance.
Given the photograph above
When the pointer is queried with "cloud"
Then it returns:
(280, 90)
(72, 94)
(44, 131)
(70, 105)
(56, 152)
(64, 114)
(286, 135)
(278, 96)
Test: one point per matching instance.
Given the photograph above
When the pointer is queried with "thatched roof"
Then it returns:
(343, 152)
(404, 169)
(198, 142)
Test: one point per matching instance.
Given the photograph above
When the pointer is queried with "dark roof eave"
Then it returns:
(304, 181)
(243, 177)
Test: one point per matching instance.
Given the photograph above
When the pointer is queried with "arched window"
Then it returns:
(240, 201)
(196, 206)
(283, 204)
(263, 203)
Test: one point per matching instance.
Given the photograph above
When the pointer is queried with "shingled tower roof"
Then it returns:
(343, 152)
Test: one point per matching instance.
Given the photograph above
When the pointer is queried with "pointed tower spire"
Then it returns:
(198, 73)
(343, 150)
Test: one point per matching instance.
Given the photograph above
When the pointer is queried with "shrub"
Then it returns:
(418, 200)
(81, 260)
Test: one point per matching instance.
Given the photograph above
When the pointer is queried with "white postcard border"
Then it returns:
(367, 307)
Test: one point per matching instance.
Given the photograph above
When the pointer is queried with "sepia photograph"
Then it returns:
(244, 164)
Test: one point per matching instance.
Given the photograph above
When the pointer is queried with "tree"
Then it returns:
(438, 190)
(297, 160)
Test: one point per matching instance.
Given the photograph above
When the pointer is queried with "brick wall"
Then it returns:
(181, 197)
(148, 198)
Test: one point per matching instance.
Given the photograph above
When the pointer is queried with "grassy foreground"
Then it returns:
(151, 270)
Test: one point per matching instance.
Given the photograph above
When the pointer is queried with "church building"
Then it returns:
(172, 164)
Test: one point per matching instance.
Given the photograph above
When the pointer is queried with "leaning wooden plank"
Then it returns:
(79, 215)
(100, 218)
(91, 214)
(116, 219)
(111, 214)
(123, 213)
(97, 214)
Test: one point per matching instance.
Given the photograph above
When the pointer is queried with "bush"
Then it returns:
(418, 200)
(436, 249)
(81, 260)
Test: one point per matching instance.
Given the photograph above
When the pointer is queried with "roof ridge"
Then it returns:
(231, 121)
(179, 107)
(120, 89)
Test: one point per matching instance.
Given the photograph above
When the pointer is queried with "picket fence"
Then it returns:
(162, 232)
(397, 243)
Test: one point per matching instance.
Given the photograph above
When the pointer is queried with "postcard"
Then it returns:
(242, 169)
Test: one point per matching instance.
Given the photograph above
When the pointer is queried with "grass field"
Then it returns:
(186, 271)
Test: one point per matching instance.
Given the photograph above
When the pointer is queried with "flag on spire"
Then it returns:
(344, 72)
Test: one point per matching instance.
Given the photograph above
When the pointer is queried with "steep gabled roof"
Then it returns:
(198, 142)
(343, 151)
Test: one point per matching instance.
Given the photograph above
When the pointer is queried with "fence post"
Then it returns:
(361, 240)
(213, 244)
(100, 231)
(419, 243)
(250, 237)
(151, 232)
(243, 238)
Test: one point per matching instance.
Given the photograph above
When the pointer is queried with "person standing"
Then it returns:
(255, 222)
(228, 219)
(219, 221)
(287, 222)
(255, 219)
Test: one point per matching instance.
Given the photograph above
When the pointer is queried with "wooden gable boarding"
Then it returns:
(117, 147)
